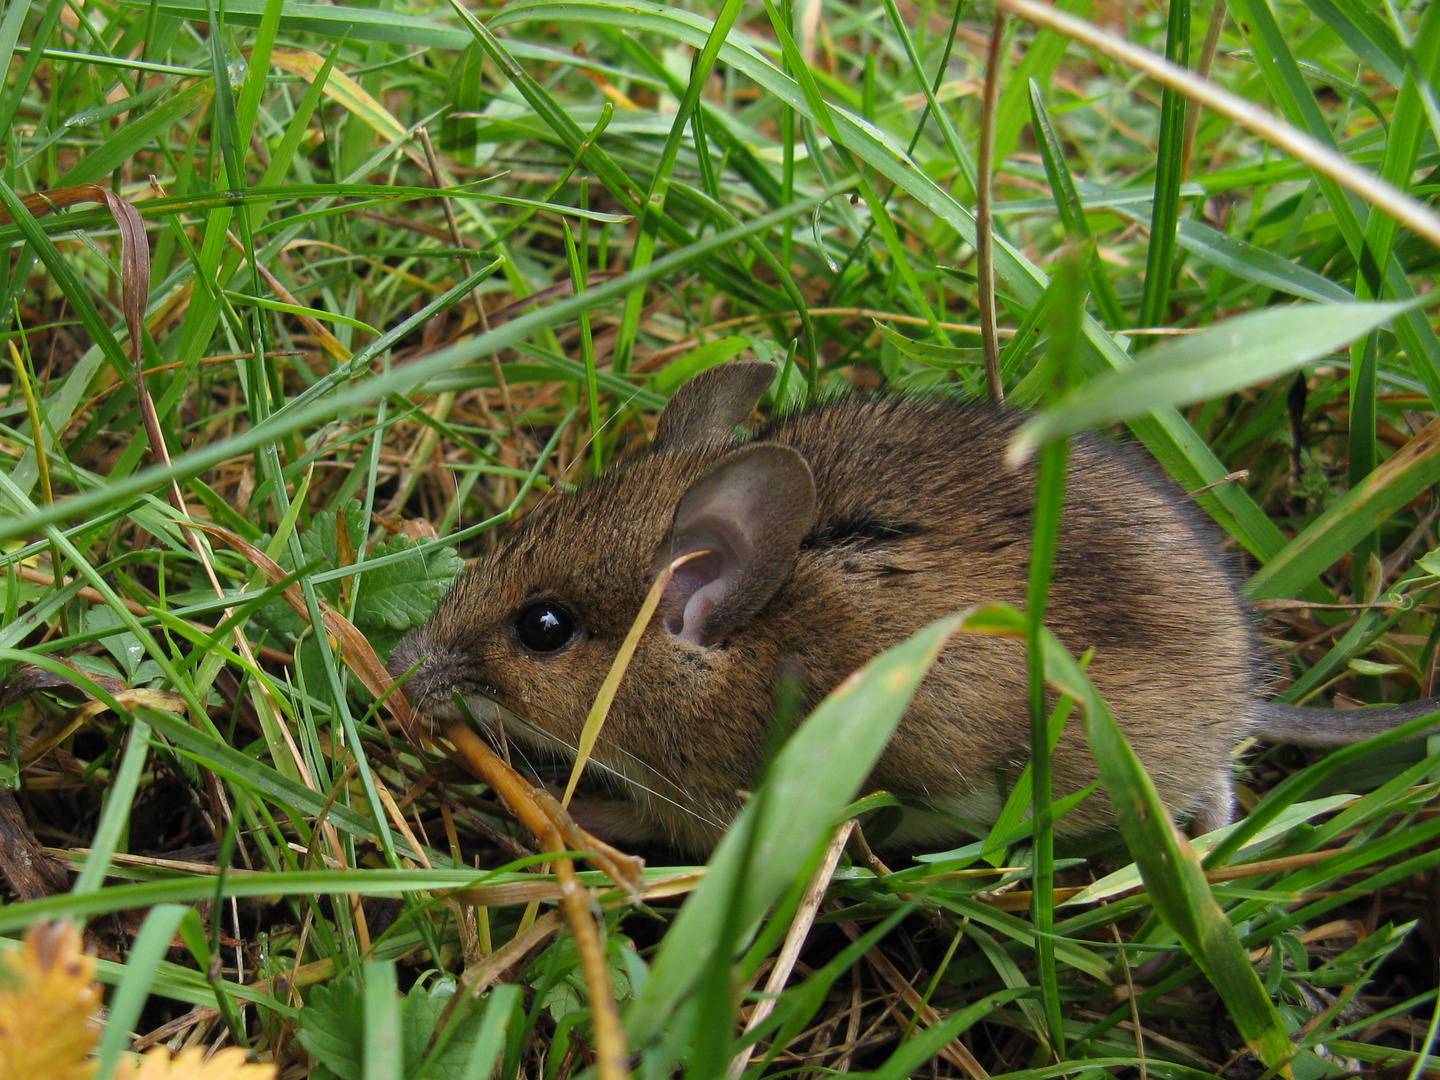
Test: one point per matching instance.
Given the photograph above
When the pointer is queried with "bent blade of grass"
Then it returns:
(1239, 352)
(67, 279)
(1171, 870)
(811, 781)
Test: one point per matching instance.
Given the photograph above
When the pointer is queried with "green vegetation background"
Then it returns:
(331, 349)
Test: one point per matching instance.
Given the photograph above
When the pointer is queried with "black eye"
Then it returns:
(544, 627)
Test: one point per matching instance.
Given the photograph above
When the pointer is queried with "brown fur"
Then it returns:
(916, 517)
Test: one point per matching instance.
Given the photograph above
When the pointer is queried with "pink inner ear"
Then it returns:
(694, 592)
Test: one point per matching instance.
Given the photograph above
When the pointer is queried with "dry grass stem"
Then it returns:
(1387, 198)
(600, 709)
(795, 937)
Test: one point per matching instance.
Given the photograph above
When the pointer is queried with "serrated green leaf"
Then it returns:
(318, 550)
(399, 595)
(332, 1026)
(423, 1008)
(318, 543)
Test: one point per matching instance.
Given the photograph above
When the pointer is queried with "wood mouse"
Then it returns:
(832, 534)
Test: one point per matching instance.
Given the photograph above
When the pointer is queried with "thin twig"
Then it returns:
(795, 937)
(1130, 995)
(1202, 69)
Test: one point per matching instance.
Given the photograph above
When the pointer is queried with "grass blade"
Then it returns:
(1160, 255)
(1240, 352)
(1359, 511)
(1171, 870)
(812, 779)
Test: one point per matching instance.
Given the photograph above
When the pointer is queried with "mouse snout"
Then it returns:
(438, 671)
(411, 648)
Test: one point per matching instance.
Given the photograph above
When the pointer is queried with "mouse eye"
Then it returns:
(544, 627)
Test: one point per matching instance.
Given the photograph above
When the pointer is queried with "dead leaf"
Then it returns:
(27, 679)
(48, 1006)
(191, 1064)
(30, 870)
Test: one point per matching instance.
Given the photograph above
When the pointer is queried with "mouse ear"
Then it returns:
(705, 410)
(748, 515)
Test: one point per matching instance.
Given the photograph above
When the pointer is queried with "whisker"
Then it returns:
(499, 696)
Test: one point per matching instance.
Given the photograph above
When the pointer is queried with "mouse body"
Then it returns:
(827, 536)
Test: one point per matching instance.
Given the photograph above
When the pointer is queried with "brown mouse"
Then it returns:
(832, 534)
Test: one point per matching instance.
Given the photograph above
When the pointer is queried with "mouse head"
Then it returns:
(527, 635)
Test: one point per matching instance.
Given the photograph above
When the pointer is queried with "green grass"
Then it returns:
(635, 197)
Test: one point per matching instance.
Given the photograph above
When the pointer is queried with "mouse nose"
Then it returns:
(435, 675)
(403, 656)
(438, 670)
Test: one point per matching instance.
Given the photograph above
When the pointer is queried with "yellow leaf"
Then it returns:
(48, 1003)
(47, 1006)
(342, 89)
(227, 1064)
